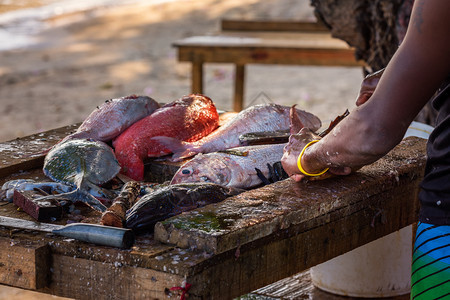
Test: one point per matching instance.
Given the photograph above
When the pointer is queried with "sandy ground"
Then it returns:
(89, 57)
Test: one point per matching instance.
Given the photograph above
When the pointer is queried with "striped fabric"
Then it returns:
(430, 278)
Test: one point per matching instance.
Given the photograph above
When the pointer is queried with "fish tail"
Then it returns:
(179, 148)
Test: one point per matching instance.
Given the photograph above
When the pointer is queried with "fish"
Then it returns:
(235, 167)
(188, 119)
(172, 200)
(111, 118)
(257, 118)
(85, 165)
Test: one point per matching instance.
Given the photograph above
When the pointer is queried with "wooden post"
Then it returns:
(239, 82)
(197, 77)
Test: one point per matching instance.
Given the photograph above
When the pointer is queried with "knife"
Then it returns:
(91, 233)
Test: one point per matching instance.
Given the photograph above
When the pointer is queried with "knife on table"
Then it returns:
(91, 233)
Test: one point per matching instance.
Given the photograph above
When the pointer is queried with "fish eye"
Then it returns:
(186, 171)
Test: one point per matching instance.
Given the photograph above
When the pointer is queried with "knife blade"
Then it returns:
(91, 233)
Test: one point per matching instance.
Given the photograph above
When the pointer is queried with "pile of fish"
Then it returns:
(219, 163)
(120, 134)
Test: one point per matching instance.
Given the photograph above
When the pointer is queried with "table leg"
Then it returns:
(197, 77)
(239, 82)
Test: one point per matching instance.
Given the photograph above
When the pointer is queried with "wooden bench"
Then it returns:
(263, 42)
(224, 250)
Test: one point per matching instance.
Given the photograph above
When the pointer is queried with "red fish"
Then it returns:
(188, 119)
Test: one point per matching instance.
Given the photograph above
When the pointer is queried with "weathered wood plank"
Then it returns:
(98, 280)
(24, 265)
(263, 212)
(27, 153)
(266, 55)
(238, 39)
(273, 25)
(257, 264)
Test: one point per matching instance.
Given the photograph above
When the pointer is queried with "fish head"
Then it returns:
(204, 168)
(78, 160)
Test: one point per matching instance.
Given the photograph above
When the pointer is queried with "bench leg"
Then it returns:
(239, 82)
(197, 77)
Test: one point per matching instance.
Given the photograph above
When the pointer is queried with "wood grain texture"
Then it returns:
(25, 265)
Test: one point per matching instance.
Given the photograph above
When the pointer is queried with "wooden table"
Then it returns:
(242, 43)
(224, 250)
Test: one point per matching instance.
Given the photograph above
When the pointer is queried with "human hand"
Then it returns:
(293, 149)
(368, 86)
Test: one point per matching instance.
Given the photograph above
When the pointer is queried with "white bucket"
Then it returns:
(378, 269)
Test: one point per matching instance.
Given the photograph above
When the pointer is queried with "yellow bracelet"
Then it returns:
(299, 163)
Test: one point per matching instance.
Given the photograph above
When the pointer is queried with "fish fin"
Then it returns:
(262, 176)
(79, 179)
(295, 124)
(179, 148)
(173, 144)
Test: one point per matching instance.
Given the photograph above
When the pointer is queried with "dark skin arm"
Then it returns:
(374, 127)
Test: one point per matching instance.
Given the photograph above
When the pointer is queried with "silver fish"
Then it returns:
(113, 117)
(257, 118)
(235, 167)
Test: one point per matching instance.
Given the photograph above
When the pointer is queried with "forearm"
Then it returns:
(414, 73)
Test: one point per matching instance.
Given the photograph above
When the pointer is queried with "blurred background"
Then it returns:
(61, 59)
